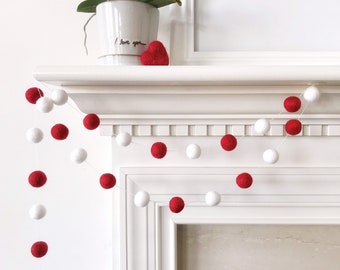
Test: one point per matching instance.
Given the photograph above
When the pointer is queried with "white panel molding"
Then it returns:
(184, 47)
(151, 231)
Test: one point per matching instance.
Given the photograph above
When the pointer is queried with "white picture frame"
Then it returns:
(183, 44)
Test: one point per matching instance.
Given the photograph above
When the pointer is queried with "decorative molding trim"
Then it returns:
(151, 231)
(272, 79)
(210, 130)
(184, 50)
(182, 102)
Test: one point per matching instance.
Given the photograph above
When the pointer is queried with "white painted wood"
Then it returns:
(191, 47)
(278, 204)
(171, 76)
(333, 130)
(180, 130)
(256, 25)
(186, 105)
(161, 130)
(182, 96)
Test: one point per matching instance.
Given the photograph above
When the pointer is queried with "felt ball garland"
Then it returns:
(142, 198)
(292, 104)
(262, 126)
(244, 180)
(212, 198)
(39, 249)
(107, 180)
(59, 132)
(44, 104)
(78, 155)
(37, 211)
(311, 94)
(270, 156)
(228, 142)
(59, 97)
(33, 94)
(91, 121)
(176, 204)
(293, 127)
(193, 151)
(34, 135)
(37, 179)
(158, 150)
(123, 139)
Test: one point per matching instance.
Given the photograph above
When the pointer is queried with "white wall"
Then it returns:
(78, 222)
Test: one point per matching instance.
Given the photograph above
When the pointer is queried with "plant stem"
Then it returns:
(85, 32)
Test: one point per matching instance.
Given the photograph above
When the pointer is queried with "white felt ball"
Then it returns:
(59, 97)
(193, 151)
(212, 198)
(270, 156)
(34, 135)
(311, 94)
(123, 139)
(142, 198)
(37, 211)
(44, 104)
(78, 155)
(262, 126)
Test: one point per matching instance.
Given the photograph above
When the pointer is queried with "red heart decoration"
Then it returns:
(155, 55)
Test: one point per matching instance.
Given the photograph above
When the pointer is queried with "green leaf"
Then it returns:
(89, 6)
(161, 3)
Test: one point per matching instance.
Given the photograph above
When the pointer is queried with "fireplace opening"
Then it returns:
(258, 247)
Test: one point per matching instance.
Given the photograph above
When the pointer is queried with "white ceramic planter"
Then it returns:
(125, 30)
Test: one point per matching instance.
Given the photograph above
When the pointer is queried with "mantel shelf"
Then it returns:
(187, 75)
(197, 95)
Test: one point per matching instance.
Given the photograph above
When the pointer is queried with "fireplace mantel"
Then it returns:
(194, 95)
(184, 105)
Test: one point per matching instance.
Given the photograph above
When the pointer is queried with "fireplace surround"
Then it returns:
(186, 105)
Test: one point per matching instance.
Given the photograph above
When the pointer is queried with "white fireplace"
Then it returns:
(198, 105)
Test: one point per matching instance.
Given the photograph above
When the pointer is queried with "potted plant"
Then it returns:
(125, 27)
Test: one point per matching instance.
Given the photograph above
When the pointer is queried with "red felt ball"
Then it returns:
(91, 121)
(37, 179)
(292, 104)
(59, 132)
(158, 150)
(155, 54)
(107, 180)
(244, 180)
(176, 204)
(39, 249)
(293, 127)
(33, 94)
(228, 142)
